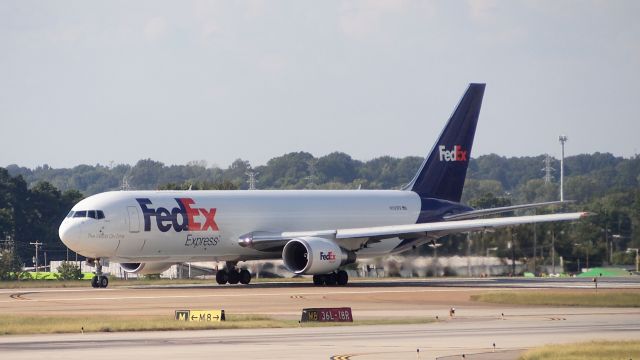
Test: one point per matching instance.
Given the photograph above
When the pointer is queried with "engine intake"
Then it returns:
(313, 255)
(145, 268)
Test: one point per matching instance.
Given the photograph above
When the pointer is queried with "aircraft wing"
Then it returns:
(275, 241)
(497, 210)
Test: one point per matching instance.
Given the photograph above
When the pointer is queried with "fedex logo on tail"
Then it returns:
(192, 218)
(455, 154)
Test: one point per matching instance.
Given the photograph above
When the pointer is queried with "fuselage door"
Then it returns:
(134, 219)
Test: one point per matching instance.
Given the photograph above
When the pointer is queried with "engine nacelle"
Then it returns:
(145, 268)
(313, 255)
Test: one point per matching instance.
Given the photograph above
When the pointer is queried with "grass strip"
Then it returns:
(29, 324)
(602, 350)
(564, 298)
(17, 324)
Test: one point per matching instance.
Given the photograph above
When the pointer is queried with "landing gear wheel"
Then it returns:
(222, 277)
(331, 279)
(99, 280)
(318, 280)
(234, 277)
(342, 277)
(245, 276)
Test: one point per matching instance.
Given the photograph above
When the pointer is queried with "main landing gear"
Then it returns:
(339, 277)
(232, 275)
(99, 280)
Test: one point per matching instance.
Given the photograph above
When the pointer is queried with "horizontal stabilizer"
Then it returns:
(498, 210)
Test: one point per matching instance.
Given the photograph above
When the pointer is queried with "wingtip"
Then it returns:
(586, 214)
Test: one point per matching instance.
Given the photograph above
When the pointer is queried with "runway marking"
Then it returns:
(341, 357)
(8, 291)
(19, 296)
(245, 294)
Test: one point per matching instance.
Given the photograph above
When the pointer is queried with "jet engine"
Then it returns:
(313, 255)
(145, 268)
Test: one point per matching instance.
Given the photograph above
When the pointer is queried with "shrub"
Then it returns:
(69, 271)
(10, 265)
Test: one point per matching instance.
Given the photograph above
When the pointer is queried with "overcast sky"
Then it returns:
(86, 82)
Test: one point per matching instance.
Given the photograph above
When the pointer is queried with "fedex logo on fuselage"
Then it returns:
(456, 154)
(329, 256)
(191, 218)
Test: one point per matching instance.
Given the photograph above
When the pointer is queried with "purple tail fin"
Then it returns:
(443, 172)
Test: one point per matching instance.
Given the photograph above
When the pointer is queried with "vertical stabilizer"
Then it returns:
(443, 172)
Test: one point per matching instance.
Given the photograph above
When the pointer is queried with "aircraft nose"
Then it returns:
(69, 234)
(86, 238)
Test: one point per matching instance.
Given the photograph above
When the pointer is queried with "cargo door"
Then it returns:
(134, 219)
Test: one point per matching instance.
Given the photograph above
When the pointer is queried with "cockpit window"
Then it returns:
(94, 214)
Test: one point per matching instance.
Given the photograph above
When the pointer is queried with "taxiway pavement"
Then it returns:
(474, 329)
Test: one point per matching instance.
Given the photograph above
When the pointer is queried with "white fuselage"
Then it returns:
(135, 230)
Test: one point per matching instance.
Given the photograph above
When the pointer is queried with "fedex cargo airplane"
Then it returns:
(314, 232)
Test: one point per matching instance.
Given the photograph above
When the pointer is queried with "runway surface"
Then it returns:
(474, 329)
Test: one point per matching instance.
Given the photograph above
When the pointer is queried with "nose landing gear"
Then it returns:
(99, 280)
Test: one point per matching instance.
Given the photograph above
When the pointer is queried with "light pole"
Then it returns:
(617, 238)
(579, 268)
(562, 139)
(511, 246)
(631, 250)
(35, 261)
(535, 244)
(486, 258)
(606, 231)
(553, 250)
(434, 245)
(469, 254)
(586, 247)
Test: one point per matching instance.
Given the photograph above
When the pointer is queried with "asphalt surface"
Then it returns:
(473, 330)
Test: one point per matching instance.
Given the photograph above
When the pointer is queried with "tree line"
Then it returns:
(32, 214)
(33, 202)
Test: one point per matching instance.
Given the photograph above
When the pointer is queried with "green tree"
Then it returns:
(69, 271)
(237, 172)
(204, 185)
(488, 201)
(536, 190)
(289, 171)
(10, 265)
(337, 167)
(146, 174)
(476, 188)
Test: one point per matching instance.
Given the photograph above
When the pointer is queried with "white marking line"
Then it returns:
(245, 295)
(36, 290)
(452, 288)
